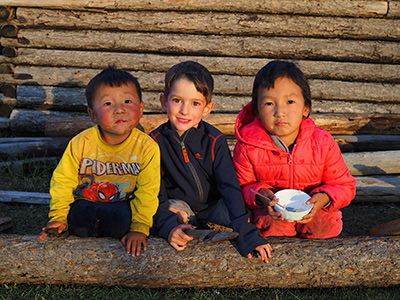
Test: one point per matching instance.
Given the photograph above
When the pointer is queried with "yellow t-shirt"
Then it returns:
(96, 171)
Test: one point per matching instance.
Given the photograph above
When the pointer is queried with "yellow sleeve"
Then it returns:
(145, 203)
(63, 182)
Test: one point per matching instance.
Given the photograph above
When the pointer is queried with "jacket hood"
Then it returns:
(250, 130)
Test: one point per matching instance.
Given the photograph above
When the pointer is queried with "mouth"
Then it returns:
(183, 121)
(281, 123)
(120, 121)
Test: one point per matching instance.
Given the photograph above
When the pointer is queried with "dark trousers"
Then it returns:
(96, 219)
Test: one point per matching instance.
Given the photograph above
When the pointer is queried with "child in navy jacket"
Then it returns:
(199, 183)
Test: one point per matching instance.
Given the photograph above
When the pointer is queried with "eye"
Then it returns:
(195, 103)
(107, 103)
(175, 100)
(291, 101)
(268, 103)
(128, 101)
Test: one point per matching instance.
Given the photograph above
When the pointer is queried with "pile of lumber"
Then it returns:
(349, 50)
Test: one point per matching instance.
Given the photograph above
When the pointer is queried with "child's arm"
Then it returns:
(62, 184)
(337, 185)
(246, 175)
(144, 204)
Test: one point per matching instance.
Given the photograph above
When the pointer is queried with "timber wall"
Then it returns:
(349, 50)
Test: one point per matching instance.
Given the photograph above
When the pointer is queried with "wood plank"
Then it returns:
(190, 44)
(349, 261)
(223, 84)
(347, 71)
(24, 197)
(355, 8)
(73, 99)
(215, 23)
(373, 163)
(34, 147)
(55, 123)
(378, 189)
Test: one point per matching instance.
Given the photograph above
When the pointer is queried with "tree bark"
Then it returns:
(215, 23)
(210, 45)
(246, 66)
(357, 8)
(338, 262)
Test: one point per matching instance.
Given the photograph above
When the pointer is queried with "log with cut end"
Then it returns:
(296, 263)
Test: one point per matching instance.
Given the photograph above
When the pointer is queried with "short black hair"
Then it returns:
(275, 69)
(111, 76)
(194, 72)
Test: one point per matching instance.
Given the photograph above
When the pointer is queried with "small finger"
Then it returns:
(43, 235)
(145, 245)
(133, 248)
(137, 249)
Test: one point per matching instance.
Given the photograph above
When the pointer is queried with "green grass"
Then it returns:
(47, 292)
(29, 219)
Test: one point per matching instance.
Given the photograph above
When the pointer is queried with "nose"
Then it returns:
(184, 108)
(119, 108)
(280, 110)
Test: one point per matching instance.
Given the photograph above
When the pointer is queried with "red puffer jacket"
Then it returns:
(314, 165)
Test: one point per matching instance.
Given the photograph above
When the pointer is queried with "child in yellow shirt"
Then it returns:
(108, 179)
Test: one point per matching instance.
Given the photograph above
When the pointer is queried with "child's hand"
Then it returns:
(55, 225)
(319, 200)
(178, 238)
(269, 203)
(133, 242)
(264, 251)
(182, 215)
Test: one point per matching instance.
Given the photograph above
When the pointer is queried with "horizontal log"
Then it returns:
(73, 99)
(346, 71)
(304, 7)
(43, 146)
(338, 262)
(215, 23)
(54, 123)
(223, 84)
(7, 13)
(4, 123)
(9, 51)
(373, 163)
(210, 45)
(24, 197)
(377, 189)
(5, 224)
(373, 189)
(366, 142)
(8, 30)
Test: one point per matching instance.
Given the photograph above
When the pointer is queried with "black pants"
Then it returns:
(96, 219)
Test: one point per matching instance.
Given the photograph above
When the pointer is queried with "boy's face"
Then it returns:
(185, 105)
(282, 108)
(117, 110)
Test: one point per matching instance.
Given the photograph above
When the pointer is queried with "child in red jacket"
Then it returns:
(279, 147)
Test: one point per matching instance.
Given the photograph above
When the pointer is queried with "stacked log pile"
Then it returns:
(349, 50)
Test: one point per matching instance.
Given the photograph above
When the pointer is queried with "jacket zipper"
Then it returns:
(191, 167)
(291, 173)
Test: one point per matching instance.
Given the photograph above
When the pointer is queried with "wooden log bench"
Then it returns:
(296, 263)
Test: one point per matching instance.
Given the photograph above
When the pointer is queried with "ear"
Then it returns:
(163, 101)
(141, 109)
(207, 109)
(306, 112)
(92, 115)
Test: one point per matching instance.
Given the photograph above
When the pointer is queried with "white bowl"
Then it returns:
(294, 200)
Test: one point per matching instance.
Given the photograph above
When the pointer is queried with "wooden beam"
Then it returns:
(357, 8)
(215, 45)
(24, 197)
(247, 66)
(378, 189)
(43, 146)
(55, 123)
(373, 163)
(215, 23)
(296, 263)
(73, 99)
(224, 84)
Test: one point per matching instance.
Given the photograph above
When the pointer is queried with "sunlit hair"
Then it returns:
(112, 77)
(194, 72)
(268, 74)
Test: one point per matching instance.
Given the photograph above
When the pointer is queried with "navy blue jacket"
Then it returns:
(197, 168)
